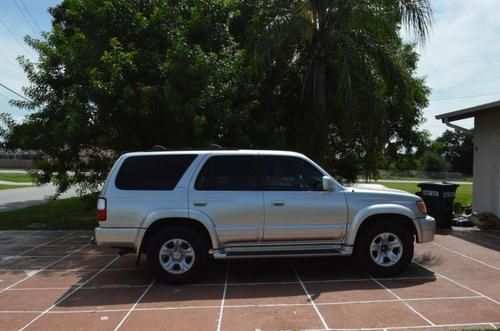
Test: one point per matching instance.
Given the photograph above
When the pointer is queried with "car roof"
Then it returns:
(216, 152)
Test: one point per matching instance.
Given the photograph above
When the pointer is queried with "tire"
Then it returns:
(376, 248)
(184, 254)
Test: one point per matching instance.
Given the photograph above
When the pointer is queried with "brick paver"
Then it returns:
(57, 280)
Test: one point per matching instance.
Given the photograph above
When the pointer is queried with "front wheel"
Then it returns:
(384, 248)
(177, 254)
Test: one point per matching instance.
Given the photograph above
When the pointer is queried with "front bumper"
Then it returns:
(117, 237)
(427, 227)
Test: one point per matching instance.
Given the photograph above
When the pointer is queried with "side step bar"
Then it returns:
(262, 252)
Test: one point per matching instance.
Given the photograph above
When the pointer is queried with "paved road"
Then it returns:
(4, 182)
(24, 197)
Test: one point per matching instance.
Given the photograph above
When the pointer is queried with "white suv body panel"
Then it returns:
(252, 218)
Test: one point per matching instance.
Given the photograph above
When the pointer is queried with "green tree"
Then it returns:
(350, 54)
(123, 75)
(433, 162)
(6, 125)
(457, 148)
(404, 154)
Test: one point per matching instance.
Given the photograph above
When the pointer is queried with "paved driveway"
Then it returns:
(54, 280)
(29, 196)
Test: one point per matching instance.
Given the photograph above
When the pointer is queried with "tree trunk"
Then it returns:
(319, 122)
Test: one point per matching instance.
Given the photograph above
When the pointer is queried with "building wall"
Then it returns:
(486, 190)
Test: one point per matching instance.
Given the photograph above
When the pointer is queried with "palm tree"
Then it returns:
(348, 48)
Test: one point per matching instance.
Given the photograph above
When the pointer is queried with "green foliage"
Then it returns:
(329, 78)
(6, 125)
(433, 162)
(125, 75)
(457, 148)
(357, 89)
(404, 154)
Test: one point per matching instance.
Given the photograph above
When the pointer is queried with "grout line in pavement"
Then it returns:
(47, 242)
(69, 294)
(221, 308)
(462, 235)
(35, 256)
(83, 288)
(311, 300)
(74, 269)
(228, 306)
(459, 284)
(403, 301)
(467, 256)
(135, 305)
(40, 270)
(410, 327)
(20, 237)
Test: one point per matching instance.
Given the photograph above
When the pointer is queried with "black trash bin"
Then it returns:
(438, 198)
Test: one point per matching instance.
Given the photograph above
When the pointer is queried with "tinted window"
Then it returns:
(152, 172)
(228, 173)
(287, 173)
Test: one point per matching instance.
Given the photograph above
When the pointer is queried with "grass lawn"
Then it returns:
(8, 187)
(18, 177)
(65, 214)
(464, 192)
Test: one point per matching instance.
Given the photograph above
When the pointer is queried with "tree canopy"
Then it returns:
(332, 78)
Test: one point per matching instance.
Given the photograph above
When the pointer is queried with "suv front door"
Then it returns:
(295, 205)
(227, 190)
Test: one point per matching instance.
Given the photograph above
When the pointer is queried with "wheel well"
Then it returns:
(160, 224)
(403, 220)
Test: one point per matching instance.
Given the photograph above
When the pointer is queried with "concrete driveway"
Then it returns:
(29, 196)
(55, 280)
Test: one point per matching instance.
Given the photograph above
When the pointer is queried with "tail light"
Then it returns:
(101, 209)
(421, 206)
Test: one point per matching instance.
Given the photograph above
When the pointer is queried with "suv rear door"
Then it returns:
(227, 190)
(295, 205)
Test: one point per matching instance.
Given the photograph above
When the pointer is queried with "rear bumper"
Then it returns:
(117, 237)
(427, 229)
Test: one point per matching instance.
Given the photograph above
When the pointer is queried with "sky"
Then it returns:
(460, 60)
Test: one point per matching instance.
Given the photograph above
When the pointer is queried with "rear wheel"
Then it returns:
(384, 248)
(177, 254)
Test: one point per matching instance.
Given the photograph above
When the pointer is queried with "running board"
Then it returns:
(280, 251)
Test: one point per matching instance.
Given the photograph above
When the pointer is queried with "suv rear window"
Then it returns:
(152, 172)
(228, 173)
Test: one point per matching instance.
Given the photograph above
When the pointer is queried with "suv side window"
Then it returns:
(152, 172)
(288, 173)
(228, 173)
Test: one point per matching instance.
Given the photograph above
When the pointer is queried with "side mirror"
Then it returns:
(328, 183)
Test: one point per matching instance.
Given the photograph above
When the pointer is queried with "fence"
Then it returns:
(388, 174)
(16, 160)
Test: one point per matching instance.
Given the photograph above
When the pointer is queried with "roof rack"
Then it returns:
(160, 148)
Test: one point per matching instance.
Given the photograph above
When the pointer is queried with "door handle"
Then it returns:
(278, 203)
(200, 203)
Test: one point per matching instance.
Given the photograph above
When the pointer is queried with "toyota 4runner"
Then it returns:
(181, 207)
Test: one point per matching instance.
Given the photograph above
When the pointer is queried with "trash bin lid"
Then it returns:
(440, 187)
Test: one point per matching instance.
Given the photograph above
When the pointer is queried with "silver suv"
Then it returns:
(180, 207)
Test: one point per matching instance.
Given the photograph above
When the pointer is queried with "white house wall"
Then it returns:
(486, 189)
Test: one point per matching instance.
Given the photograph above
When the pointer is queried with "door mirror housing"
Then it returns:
(328, 183)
